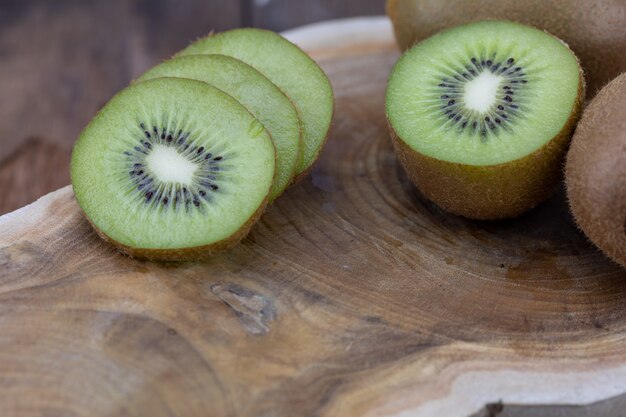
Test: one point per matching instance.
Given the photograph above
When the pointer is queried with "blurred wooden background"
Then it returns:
(61, 60)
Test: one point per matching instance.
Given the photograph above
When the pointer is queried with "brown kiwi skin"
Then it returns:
(595, 172)
(593, 30)
(197, 253)
(491, 192)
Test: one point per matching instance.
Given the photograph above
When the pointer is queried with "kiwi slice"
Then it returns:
(595, 172)
(481, 115)
(292, 70)
(262, 98)
(172, 169)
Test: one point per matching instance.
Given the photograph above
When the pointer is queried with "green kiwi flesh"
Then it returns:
(595, 172)
(172, 169)
(481, 115)
(292, 70)
(262, 98)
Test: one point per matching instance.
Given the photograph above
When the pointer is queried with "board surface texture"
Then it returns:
(353, 296)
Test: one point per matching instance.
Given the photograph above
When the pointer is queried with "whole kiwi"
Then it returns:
(595, 171)
(595, 30)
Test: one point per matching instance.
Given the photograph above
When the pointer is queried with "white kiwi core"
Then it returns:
(480, 93)
(170, 166)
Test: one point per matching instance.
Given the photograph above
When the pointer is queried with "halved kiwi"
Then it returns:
(262, 98)
(481, 116)
(596, 171)
(292, 70)
(173, 169)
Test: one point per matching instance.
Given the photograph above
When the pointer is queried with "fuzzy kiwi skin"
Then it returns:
(197, 253)
(595, 172)
(491, 192)
(593, 30)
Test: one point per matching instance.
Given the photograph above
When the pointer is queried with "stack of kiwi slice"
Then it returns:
(481, 116)
(182, 163)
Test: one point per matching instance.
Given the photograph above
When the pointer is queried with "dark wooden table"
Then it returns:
(61, 61)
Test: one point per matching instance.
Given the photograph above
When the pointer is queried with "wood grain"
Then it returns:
(352, 297)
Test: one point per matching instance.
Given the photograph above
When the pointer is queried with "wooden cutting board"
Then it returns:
(353, 296)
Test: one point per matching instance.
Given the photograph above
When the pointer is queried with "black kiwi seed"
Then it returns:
(504, 112)
(157, 193)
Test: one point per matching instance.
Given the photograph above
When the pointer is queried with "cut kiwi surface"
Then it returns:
(262, 98)
(292, 70)
(173, 169)
(481, 115)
